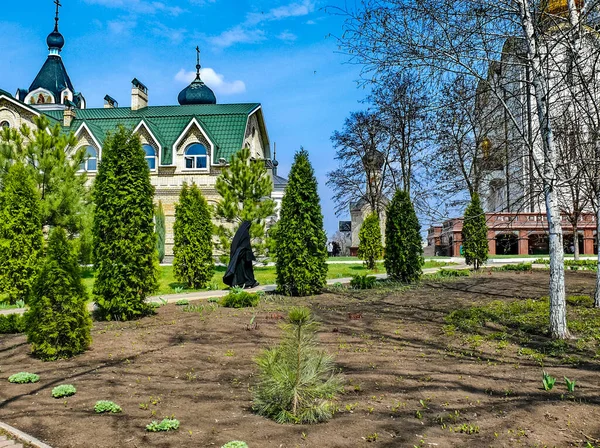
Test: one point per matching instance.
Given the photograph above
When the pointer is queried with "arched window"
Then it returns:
(4, 125)
(91, 160)
(196, 157)
(150, 156)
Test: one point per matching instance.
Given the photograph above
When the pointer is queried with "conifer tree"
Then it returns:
(403, 248)
(193, 262)
(300, 240)
(160, 229)
(21, 238)
(58, 322)
(245, 188)
(474, 234)
(124, 239)
(369, 236)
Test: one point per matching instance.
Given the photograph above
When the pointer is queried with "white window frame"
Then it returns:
(194, 158)
(151, 157)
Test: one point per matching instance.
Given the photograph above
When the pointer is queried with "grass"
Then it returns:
(265, 275)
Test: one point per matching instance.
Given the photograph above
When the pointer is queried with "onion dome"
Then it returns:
(560, 7)
(55, 41)
(197, 92)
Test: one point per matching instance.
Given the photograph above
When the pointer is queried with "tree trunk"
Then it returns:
(597, 291)
(575, 242)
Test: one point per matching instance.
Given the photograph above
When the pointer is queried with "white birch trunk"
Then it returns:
(558, 306)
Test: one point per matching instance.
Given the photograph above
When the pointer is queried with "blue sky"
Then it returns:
(277, 52)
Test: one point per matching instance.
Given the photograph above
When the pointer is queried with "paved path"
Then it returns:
(204, 295)
(8, 442)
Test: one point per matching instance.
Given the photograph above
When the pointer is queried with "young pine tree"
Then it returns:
(21, 238)
(193, 262)
(160, 229)
(124, 239)
(403, 249)
(369, 246)
(245, 188)
(297, 380)
(300, 240)
(474, 234)
(58, 322)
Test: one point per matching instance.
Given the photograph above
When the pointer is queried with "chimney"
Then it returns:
(139, 95)
(110, 102)
(68, 114)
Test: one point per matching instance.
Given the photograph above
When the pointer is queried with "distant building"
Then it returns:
(189, 142)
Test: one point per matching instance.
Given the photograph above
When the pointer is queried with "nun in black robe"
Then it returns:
(240, 272)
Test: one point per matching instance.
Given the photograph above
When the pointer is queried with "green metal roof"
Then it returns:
(53, 77)
(224, 124)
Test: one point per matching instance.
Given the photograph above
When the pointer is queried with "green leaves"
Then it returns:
(403, 257)
(124, 239)
(570, 384)
(23, 377)
(160, 229)
(193, 257)
(64, 390)
(301, 252)
(105, 406)
(369, 246)
(166, 424)
(474, 234)
(548, 381)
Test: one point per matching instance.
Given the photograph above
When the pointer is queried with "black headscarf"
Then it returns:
(240, 271)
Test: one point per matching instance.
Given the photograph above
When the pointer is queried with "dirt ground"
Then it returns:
(408, 382)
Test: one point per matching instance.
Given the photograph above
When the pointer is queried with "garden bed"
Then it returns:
(414, 377)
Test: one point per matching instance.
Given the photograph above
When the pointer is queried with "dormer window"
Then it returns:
(91, 160)
(196, 157)
(150, 156)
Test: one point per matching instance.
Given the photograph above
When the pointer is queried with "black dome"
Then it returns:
(55, 40)
(197, 93)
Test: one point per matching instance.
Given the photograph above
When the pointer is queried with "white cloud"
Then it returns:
(282, 12)
(214, 80)
(139, 6)
(237, 35)
(175, 35)
(121, 26)
(287, 36)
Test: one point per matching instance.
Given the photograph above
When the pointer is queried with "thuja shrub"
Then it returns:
(105, 406)
(58, 322)
(369, 246)
(64, 390)
(23, 377)
(12, 324)
(297, 380)
(474, 234)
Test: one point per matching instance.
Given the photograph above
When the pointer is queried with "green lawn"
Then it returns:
(265, 275)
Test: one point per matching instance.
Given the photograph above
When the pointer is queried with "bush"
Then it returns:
(235, 444)
(514, 267)
(58, 322)
(584, 301)
(474, 234)
(103, 406)
(11, 324)
(240, 299)
(64, 390)
(166, 424)
(193, 258)
(403, 258)
(124, 240)
(21, 238)
(369, 246)
(160, 229)
(448, 273)
(362, 282)
(300, 240)
(297, 380)
(182, 302)
(23, 377)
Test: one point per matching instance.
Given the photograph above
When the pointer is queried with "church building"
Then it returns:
(189, 142)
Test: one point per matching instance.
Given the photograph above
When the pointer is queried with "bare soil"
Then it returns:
(409, 383)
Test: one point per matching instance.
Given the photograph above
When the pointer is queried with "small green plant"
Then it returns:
(23, 377)
(468, 429)
(167, 424)
(570, 384)
(372, 437)
(514, 267)
(362, 282)
(163, 302)
(583, 301)
(449, 273)
(235, 444)
(238, 298)
(548, 381)
(213, 286)
(213, 300)
(64, 390)
(418, 414)
(105, 406)
(182, 302)
(178, 289)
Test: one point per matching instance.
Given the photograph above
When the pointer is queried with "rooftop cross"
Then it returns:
(57, 3)
(197, 62)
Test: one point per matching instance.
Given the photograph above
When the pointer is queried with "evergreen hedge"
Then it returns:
(161, 231)
(21, 238)
(474, 234)
(124, 240)
(369, 236)
(11, 323)
(58, 323)
(403, 245)
(193, 258)
(300, 240)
